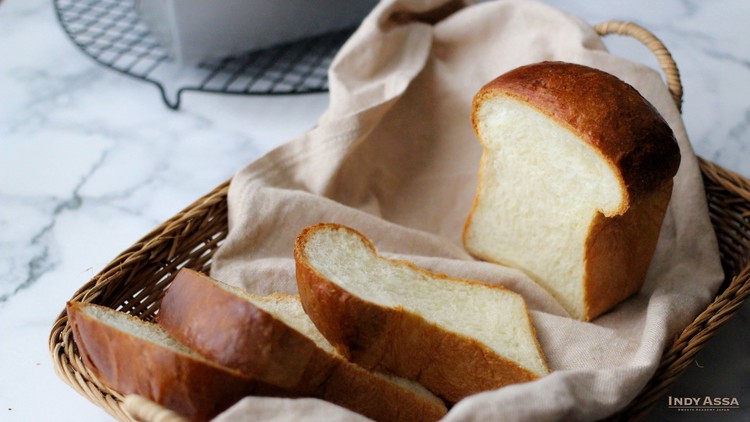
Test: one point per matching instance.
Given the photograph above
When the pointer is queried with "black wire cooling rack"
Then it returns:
(112, 33)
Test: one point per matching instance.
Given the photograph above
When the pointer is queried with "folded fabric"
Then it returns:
(395, 157)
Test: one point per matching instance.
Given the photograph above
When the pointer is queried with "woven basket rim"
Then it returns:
(676, 358)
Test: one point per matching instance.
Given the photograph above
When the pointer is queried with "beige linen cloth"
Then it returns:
(395, 157)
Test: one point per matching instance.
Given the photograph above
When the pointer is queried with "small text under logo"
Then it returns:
(703, 404)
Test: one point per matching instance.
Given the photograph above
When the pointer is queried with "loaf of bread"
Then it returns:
(272, 339)
(574, 182)
(132, 356)
(455, 337)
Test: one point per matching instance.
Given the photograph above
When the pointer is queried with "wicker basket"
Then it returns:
(134, 282)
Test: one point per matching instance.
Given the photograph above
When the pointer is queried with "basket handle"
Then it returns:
(142, 409)
(667, 63)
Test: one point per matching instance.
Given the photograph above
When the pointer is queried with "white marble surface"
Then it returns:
(91, 160)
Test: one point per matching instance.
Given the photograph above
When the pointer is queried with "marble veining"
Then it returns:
(91, 160)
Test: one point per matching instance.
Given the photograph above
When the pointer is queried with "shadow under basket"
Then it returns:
(135, 281)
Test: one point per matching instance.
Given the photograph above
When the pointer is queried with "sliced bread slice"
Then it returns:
(132, 356)
(271, 339)
(574, 182)
(456, 337)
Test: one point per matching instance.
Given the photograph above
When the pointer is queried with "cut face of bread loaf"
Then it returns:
(574, 182)
(272, 339)
(136, 357)
(455, 337)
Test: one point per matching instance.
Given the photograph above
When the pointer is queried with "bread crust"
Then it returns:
(196, 389)
(619, 252)
(607, 113)
(449, 364)
(232, 330)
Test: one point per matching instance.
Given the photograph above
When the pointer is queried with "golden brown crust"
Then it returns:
(602, 110)
(127, 364)
(376, 397)
(234, 332)
(619, 251)
(229, 329)
(469, 220)
(449, 364)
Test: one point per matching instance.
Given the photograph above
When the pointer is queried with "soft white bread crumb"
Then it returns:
(286, 308)
(540, 188)
(495, 317)
(138, 328)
